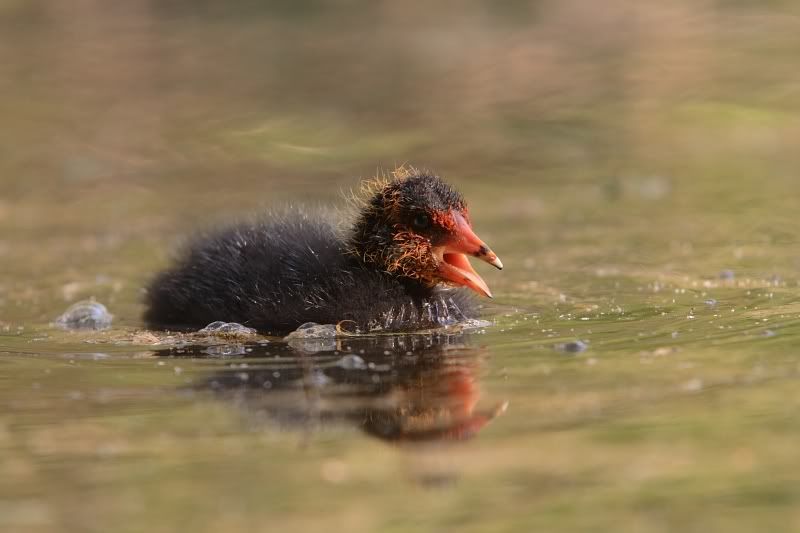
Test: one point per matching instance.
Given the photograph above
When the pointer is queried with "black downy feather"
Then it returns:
(291, 268)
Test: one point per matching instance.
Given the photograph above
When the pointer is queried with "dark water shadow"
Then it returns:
(402, 389)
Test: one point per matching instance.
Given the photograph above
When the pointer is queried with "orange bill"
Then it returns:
(454, 267)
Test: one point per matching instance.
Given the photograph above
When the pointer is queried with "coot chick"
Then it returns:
(396, 268)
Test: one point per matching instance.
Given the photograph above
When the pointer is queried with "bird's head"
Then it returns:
(417, 227)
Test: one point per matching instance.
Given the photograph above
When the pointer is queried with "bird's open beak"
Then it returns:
(454, 266)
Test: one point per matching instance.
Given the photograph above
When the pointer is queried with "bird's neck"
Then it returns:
(373, 244)
(369, 238)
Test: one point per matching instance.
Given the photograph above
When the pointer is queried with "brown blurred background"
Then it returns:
(127, 124)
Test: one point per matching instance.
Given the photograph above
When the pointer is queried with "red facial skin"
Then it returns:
(453, 266)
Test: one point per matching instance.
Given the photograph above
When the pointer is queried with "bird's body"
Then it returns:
(295, 266)
(286, 270)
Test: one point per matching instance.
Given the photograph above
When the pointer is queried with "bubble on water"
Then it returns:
(319, 379)
(232, 329)
(474, 323)
(313, 345)
(86, 314)
(225, 350)
(313, 338)
(572, 346)
(312, 330)
(351, 362)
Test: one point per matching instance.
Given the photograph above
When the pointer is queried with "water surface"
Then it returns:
(635, 167)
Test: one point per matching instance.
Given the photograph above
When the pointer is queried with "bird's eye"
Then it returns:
(421, 221)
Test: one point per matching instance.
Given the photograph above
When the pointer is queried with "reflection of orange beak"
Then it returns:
(463, 391)
(470, 426)
(454, 266)
(448, 400)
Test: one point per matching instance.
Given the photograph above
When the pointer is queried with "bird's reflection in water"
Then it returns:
(409, 388)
